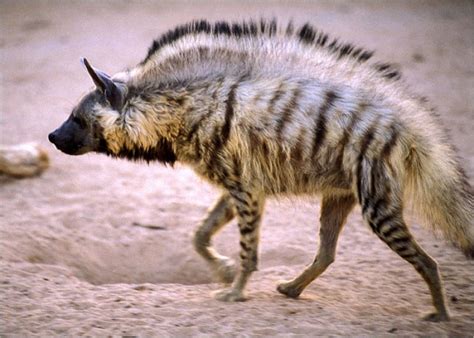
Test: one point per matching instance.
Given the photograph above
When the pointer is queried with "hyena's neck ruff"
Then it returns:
(260, 111)
(149, 126)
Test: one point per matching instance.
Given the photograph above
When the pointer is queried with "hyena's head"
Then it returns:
(82, 132)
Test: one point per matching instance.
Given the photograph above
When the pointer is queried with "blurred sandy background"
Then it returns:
(72, 258)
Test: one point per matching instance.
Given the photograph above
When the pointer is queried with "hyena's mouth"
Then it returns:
(74, 149)
(77, 149)
(81, 150)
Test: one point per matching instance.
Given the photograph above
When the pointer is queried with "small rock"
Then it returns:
(392, 330)
(23, 160)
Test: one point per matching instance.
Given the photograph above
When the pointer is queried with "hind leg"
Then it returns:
(394, 232)
(334, 211)
(222, 213)
(382, 209)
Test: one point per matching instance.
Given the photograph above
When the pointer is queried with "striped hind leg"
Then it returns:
(334, 211)
(381, 199)
(219, 215)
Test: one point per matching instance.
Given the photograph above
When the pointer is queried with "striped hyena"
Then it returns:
(261, 111)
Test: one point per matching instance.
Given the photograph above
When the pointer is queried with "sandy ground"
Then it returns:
(72, 258)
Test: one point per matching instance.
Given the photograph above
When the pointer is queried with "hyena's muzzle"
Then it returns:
(71, 137)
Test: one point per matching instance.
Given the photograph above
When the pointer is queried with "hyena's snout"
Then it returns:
(63, 142)
(70, 140)
(52, 137)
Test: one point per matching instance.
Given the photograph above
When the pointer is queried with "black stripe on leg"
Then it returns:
(378, 224)
(240, 200)
(245, 213)
(248, 227)
(377, 205)
(244, 246)
(389, 232)
(408, 255)
(399, 240)
(246, 230)
(405, 250)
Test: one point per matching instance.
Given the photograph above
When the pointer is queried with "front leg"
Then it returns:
(219, 215)
(249, 206)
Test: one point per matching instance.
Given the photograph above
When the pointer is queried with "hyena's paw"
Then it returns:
(225, 270)
(436, 317)
(289, 289)
(229, 295)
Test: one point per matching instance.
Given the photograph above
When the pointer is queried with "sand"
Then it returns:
(97, 246)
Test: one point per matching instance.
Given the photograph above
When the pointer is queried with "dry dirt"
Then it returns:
(73, 259)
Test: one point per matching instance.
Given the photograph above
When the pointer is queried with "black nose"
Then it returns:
(52, 137)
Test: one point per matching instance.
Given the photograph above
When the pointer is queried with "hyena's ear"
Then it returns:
(114, 92)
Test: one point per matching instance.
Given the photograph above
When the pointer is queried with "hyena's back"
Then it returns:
(278, 84)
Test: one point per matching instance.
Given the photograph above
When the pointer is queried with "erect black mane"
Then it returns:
(307, 34)
(388, 71)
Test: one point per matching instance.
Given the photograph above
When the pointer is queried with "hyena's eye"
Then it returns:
(79, 121)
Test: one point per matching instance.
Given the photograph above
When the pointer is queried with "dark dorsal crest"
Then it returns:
(306, 34)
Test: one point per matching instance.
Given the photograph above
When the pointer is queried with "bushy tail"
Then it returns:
(441, 193)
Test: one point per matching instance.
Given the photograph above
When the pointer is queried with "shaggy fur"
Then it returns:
(261, 111)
